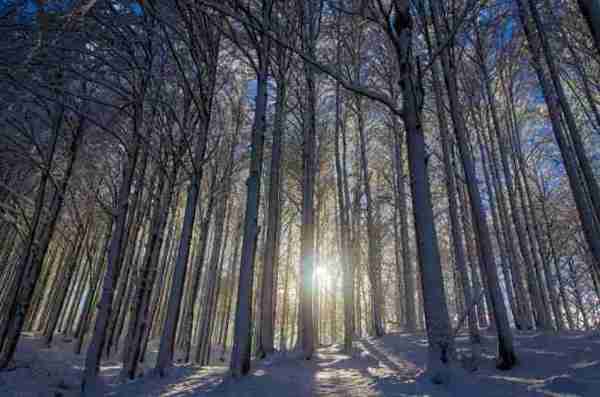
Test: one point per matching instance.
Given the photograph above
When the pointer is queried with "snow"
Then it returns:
(567, 364)
(40, 371)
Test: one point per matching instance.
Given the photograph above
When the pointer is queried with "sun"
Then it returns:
(323, 274)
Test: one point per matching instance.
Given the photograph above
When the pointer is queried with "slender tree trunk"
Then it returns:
(506, 353)
(232, 261)
(271, 257)
(211, 36)
(345, 244)
(30, 247)
(457, 241)
(525, 311)
(188, 317)
(43, 288)
(439, 332)
(578, 145)
(536, 238)
(407, 270)
(374, 265)
(310, 20)
(115, 259)
(240, 355)
(167, 343)
(90, 297)
(204, 338)
(131, 251)
(78, 288)
(58, 304)
(556, 260)
(22, 300)
(357, 257)
(586, 212)
(286, 294)
(577, 293)
(139, 309)
(494, 191)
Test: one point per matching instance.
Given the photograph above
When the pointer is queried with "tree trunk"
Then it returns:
(67, 275)
(240, 355)
(33, 261)
(586, 212)
(439, 332)
(90, 298)
(506, 353)
(167, 342)
(204, 337)
(188, 313)
(374, 264)
(284, 308)
(139, 309)
(455, 226)
(555, 259)
(345, 243)
(271, 257)
(115, 259)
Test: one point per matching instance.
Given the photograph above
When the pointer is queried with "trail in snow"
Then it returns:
(551, 365)
(330, 373)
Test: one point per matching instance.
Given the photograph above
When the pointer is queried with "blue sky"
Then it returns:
(26, 9)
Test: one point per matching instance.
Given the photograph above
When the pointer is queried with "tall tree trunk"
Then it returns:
(286, 294)
(506, 353)
(188, 313)
(408, 269)
(577, 293)
(310, 30)
(232, 264)
(455, 226)
(211, 281)
(212, 277)
(439, 332)
(240, 355)
(345, 244)
(167, 342)
(131, 251)
(90, 298)
(33, 261)
(271, 257)
(586, 212)
(494, 191)
(374, 265)
(115, 259)
(578, 145)
(555, 258)
(139, 308)
(58, 304)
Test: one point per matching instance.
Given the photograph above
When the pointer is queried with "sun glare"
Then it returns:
(322, 274)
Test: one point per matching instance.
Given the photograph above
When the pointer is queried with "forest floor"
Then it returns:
(567, 364)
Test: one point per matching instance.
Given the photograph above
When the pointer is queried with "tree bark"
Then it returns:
(441, 343)
(115, 259)
(240, 355)
(586, 212)
(506, 354)
(271, 256)
(451, 191)
(33, 261)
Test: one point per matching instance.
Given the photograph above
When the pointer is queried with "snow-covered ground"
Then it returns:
(550, 365)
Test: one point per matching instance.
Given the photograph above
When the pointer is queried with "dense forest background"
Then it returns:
(233, 179)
